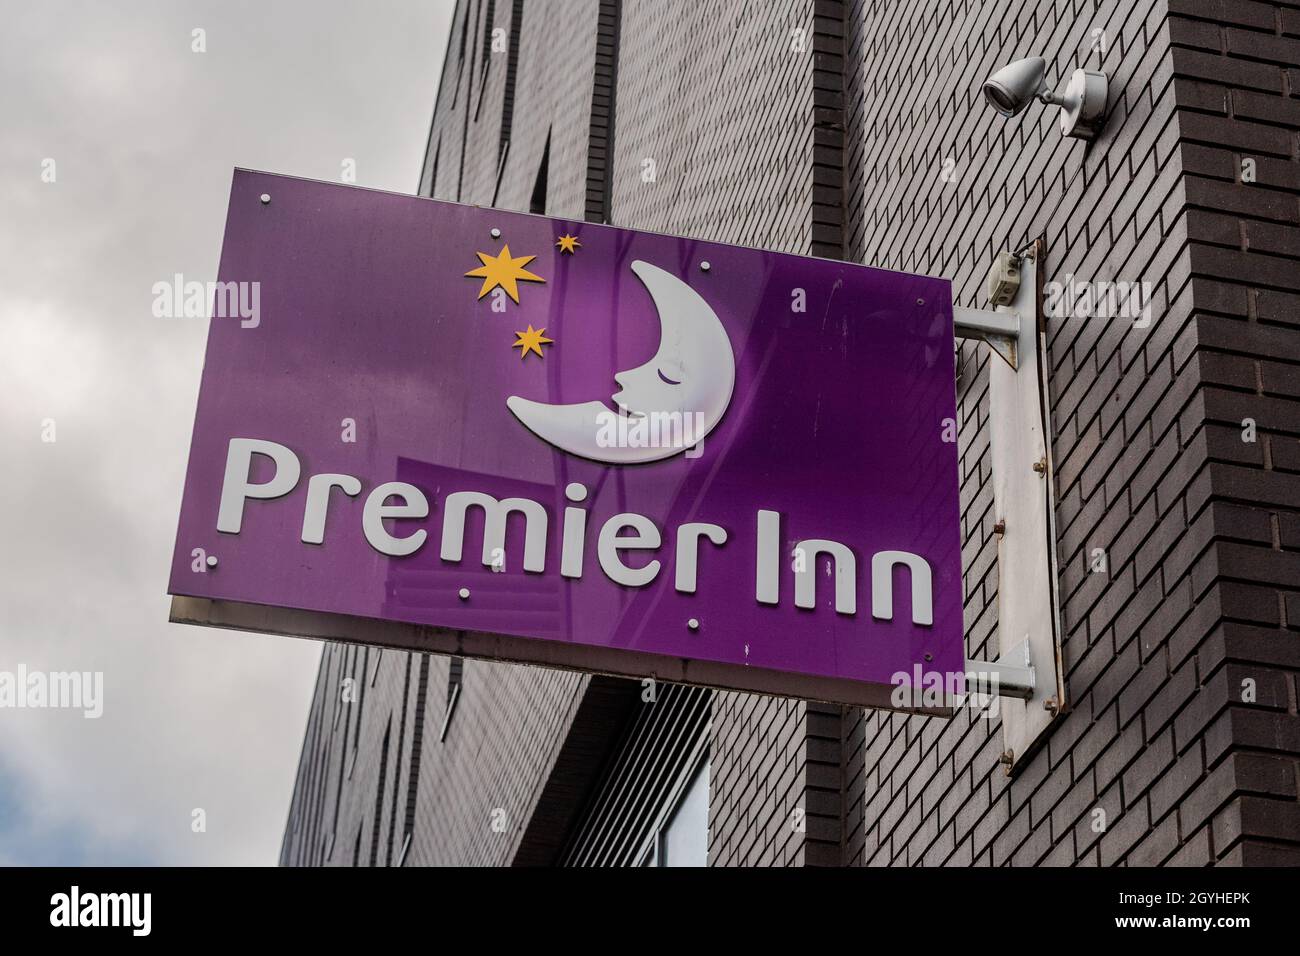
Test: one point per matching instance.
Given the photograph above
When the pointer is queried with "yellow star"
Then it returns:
(531, 341)
(569, 244)
(503, 271)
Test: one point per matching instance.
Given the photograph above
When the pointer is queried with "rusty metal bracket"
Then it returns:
(1000, 329)
(1029, 628)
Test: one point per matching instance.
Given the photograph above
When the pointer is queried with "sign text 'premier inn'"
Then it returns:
(547, 440)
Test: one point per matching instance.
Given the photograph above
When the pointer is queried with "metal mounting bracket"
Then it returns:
(1001, 330)
(1029, 666)
(1011, 675)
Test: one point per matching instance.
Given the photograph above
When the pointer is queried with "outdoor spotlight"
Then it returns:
(1083, 103)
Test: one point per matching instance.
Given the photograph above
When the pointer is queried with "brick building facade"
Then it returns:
(857, 129)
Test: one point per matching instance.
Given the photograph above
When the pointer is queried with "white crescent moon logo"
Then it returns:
(688, 382)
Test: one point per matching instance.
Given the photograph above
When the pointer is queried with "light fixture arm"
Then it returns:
(1082, 102)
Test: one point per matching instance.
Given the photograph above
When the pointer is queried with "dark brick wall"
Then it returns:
(825, 127)
(1150, 462)
(1236, 81)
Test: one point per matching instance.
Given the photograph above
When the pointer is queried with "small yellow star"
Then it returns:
(569, 244)
(531, 341)
(503, 271)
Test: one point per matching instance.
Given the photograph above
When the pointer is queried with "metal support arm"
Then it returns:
(1001, 330)
(1003, 677)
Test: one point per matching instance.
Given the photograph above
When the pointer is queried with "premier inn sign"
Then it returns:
(544, 440)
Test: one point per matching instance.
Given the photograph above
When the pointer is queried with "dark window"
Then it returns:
(379, 793)
(455, 674)
(433, 174)
(455, 669)
(485, 56)
(397, 775)
(417, 747)
(538, 203)
(512, 65)
(460, 57)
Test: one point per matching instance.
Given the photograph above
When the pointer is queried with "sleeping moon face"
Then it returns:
(686, 385)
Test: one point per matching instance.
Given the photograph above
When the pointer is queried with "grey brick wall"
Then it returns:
(1150, 465)
(823, 127)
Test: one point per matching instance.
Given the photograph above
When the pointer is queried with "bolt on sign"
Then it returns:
(544, 440)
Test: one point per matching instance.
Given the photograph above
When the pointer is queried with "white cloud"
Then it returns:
(145, 135)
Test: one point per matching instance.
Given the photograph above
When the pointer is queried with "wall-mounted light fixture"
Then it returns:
(1083, 103)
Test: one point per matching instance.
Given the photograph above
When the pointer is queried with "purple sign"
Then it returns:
(554, 441)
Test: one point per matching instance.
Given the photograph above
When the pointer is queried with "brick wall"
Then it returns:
(825, 127)
(1236, 82)
(1150, 465)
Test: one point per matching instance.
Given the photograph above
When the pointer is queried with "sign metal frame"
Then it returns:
(1029, 672)
(421, 638)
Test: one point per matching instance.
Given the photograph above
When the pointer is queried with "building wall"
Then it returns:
(857, 128)
(1147, 422)
(1237, 76)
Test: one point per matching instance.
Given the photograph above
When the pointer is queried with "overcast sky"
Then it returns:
(144, 133)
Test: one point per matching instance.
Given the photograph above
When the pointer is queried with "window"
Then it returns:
(650, 806)
(538, 203)
(379, 793)
(485, 56)
(417, 748)
(508, 101)
(683, 840)
(455, 673)
(340, 651)
(359, 698)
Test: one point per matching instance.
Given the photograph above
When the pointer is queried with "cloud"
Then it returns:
(144, 134)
